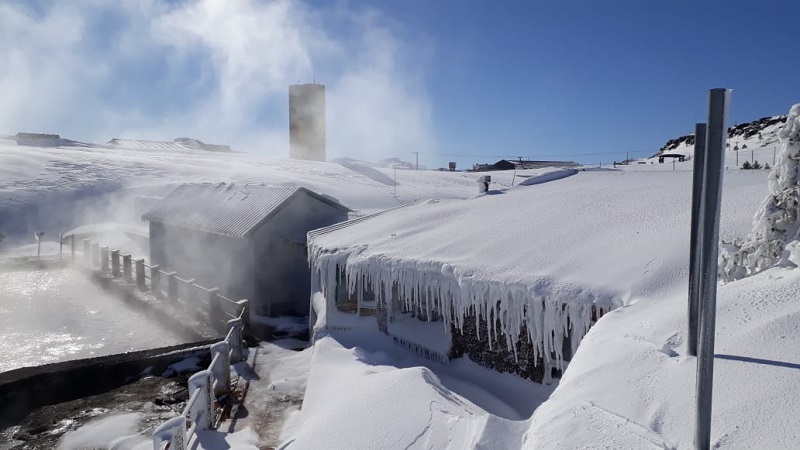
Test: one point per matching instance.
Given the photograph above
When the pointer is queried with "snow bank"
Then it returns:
(776, 224)
(555, 174)
(358, 399)
(631, 386)
(119, 430)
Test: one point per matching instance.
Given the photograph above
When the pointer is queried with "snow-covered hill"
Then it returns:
(760, 136)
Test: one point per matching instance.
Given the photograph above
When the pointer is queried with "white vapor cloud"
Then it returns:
(216, 70)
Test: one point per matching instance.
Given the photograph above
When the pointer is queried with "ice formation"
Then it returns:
(776, 226)
(550, 316)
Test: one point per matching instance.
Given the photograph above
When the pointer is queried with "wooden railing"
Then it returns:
(207, 386)
(180, 292)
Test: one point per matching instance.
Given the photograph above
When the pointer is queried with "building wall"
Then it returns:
(307, 122)
(499, 357)
(283, 278)
(212, 259)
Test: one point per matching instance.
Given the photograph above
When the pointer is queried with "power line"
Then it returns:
(547, 156)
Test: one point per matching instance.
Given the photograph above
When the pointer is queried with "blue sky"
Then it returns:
(468, 81)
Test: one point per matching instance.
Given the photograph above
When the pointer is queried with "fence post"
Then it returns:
(87, 252)
(140, 279)
(187, 290)
(172, 286)
(243, 306)
(72, 246)
(126, 268)
(95, 254)
(171, 432)
(114, 263)
(695, 238)
(222, 370)
(104, 258)
(202, 412)
(214, 308)
(155, 281)
(716, 136)
(237, 350)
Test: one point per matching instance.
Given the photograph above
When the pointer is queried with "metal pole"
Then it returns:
(695, 243)
(712, 194)
(752, 157)
(773, 156)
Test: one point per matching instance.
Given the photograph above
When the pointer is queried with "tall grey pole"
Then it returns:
(696, 238)
(417, 153)
(712, 194)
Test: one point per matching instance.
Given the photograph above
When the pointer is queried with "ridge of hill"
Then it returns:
(759, 133)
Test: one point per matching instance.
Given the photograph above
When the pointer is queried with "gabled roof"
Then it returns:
(228, 209)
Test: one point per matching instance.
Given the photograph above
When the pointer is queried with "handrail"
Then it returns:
(206, 385)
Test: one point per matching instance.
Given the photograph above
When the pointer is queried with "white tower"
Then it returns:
(307, 122)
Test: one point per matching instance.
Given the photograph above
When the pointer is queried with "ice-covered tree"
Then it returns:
(774, 239)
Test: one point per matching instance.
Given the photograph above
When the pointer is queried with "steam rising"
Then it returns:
(214, 70)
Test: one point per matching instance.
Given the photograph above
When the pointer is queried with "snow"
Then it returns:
(776, 225)
(616, 239)
(620, 236)
(376, 397)
(102, 432)
(120, 433)
(631, 381)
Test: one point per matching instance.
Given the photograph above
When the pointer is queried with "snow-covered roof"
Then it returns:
(522, 237)
(145, 145)
(229, 209)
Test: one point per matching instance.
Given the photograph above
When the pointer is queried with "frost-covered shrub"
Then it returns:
(775, 231)
(747, 165)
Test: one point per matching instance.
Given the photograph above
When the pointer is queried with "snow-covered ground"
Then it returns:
(616, 235)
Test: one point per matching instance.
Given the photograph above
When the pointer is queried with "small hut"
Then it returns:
(247, 240)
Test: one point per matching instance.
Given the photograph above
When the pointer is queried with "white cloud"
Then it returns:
(213, 69)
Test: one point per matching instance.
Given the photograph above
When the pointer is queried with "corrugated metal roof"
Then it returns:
(229, 209)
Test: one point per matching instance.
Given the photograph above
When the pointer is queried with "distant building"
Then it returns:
(307, 122)
(505, 164)
(38, 139)
(247, 240)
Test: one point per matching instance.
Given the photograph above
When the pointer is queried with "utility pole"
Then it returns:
(417, 153)
(711, 196)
